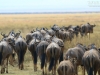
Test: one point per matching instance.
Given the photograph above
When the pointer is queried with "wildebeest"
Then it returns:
(32, 48)
(61, 45)
(37, 35)
(66, 35)
(65, 68)
(53, 53)
(41, 51)
(20, 49)
(33, 40)
(91, 61)
(56, 28)
(6, 53)
(76, 29)
(4, 35)
(86, 28)
(77, 53)
(51, 32)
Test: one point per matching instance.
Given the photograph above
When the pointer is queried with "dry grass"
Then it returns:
(27, 22)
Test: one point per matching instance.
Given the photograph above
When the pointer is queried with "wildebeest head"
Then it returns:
(17, 34)
(32, 31)
(58, 41)
(4, 35)
(92, 46)
(11, 33)
(91, 28)
(55, 27)
(28, 38)
(82, 46)
(10, 41)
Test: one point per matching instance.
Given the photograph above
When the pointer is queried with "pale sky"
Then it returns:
(48, 5)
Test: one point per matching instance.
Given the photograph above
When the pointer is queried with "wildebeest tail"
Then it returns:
(1, 54)
(43, 58)
(21, 55)
(90, 60)
(51, 64)
(34, 53)
(35, 57)
(61, 57)
(63, 69)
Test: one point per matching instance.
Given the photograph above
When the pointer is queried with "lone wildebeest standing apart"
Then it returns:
(6, 52)
(53, 53)
(20, 49)
(86, 28)
(91, 61)
(66, 68)
(41, 50)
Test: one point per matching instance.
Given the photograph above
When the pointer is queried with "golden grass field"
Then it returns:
(28, 22)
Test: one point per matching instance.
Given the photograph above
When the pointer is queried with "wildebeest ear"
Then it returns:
(13, 55)
(86, 49)
(99, 49)
(88, 23)
(31, 31)
(71, 30)
(94, 25)
(89, 47)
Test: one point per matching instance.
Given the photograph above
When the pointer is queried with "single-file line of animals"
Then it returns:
(48, 45)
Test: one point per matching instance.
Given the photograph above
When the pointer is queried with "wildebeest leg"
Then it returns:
(35, 65)
(86, 35)
(95, 71)
(55, 69)
(18, 59)
(2, 67)
(7, 66)
(21, 66)
(52, 70)
(89, 35)
(46, 68)
(99, 72)
(43, 71)
(83, 70)
(76, 70)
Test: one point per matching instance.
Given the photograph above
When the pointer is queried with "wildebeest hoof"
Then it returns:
(43, 73)
(2, 72)
(6, 71)
(35, 69)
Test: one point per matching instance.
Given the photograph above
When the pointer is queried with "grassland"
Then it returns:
(28, 22)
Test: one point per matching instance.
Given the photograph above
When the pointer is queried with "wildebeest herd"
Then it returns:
(48, 46)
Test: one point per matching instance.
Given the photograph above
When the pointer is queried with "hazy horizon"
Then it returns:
(11, 6)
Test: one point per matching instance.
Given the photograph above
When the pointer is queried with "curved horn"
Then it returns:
(46, 28)
(19, 31)
(2, 34)
(37, 28)
(33, 30)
